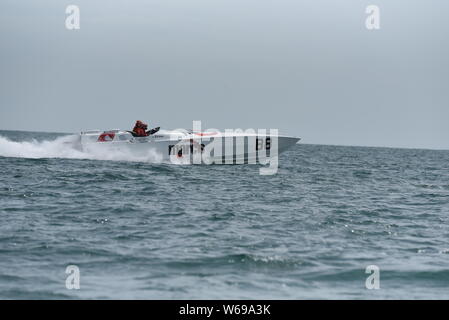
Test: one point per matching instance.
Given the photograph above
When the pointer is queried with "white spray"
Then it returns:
(67, 147)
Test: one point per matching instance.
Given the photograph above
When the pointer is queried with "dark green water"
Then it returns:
(156, 230)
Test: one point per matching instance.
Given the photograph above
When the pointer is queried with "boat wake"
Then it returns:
(68, 147)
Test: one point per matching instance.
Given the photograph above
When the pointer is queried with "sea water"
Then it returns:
(144, 229)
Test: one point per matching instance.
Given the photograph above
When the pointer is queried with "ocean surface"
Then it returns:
(139, 229)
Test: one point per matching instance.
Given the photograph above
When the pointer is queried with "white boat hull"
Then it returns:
(182, 146)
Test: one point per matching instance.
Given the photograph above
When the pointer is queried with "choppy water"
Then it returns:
(140, 229)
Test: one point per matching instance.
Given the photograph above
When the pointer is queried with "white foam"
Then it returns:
(67, 147)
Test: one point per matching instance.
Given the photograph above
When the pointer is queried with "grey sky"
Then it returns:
(309, 68)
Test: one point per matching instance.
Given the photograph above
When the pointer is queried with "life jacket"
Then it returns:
(140, 132)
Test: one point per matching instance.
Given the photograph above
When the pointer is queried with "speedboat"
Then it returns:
(182, 145)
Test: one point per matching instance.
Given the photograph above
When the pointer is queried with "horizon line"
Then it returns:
(302, 139)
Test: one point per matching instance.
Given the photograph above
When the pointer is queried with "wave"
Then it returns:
(67, 147)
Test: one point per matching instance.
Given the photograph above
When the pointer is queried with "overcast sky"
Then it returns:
(309, 68)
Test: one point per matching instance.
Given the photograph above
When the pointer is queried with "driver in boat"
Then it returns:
(140, 129)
